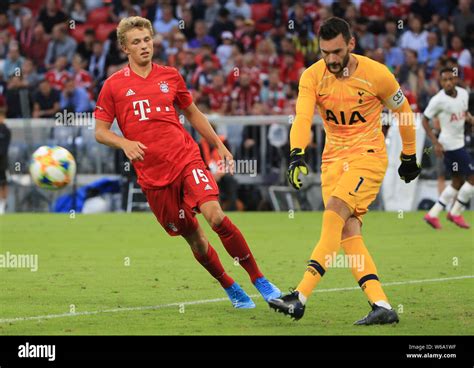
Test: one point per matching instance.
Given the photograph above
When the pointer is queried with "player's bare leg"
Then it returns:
(208, 258)
(449, 193)
(235, 244)
(3, 198)
(366, 275)
(464, 195)
(457, 181)
(198, 242)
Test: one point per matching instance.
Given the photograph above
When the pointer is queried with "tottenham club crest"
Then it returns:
(164, 87)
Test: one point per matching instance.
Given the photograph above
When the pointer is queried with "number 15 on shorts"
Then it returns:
(200, 176)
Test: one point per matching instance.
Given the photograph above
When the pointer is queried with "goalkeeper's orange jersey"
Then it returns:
(350, 108)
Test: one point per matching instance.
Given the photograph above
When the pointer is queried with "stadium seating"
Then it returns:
(78, 31)
(35, 6)
(98, 16)
(102, 31)
(262, 15)
(260, 52)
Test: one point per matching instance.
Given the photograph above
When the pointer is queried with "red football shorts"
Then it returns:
(176, 205)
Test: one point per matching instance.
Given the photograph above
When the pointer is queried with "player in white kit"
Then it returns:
(450, 105)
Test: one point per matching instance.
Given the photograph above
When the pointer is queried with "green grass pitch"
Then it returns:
(112, 262)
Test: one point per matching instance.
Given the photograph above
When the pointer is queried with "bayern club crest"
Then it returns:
(164, 87)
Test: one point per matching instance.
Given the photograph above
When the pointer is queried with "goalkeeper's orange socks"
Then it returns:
(328, 245)
(235, 244)
(329, 242)
(213, 265)
(366, 276)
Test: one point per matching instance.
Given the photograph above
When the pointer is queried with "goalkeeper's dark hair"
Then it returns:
(333, 27)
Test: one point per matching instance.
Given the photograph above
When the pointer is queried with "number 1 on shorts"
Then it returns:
(359, 184)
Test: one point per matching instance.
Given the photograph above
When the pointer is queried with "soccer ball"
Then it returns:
(52, 167)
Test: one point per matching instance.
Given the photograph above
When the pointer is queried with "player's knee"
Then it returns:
(457, 181)
(348, 233)
(339, 206)
(200, 246)
(215, 217)
(198, 242)
(351, 228)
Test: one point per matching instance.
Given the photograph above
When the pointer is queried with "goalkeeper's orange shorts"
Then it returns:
(356, 180)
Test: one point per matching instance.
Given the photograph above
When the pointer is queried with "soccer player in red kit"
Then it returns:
(143, 97)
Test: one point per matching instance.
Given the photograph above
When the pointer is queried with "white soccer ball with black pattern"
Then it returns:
(52, 167)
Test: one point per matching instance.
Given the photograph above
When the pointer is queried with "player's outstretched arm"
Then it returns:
(199, 122)
(409, 169)
(301, 129)
(132, 149)
(392, 96)
(407, 127)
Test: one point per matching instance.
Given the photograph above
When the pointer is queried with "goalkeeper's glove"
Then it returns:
(297, 165)
(409, 169)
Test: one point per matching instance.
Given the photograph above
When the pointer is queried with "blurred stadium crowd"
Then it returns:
(238, 57)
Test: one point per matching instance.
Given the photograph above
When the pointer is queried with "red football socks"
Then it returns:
(213, 265)
(237, 247)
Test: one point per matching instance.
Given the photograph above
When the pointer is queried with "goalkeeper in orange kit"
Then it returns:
(350, 92)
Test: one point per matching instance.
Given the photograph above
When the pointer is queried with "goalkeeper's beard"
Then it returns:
(341, 66)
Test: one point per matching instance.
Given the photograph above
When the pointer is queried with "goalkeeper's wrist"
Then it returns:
(408, 157)
(297, 151)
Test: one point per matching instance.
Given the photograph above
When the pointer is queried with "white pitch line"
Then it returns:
(206, 301)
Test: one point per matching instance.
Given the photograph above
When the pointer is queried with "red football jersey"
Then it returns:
(145, 112)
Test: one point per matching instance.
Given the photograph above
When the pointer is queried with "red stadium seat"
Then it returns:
(262, 14)
(98, 16)
(79, 30)
(35, 6)
(102, 31)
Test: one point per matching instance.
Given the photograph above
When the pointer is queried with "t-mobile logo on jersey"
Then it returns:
(142, 108)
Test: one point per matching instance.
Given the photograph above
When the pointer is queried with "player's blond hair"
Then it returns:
(129, 23)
